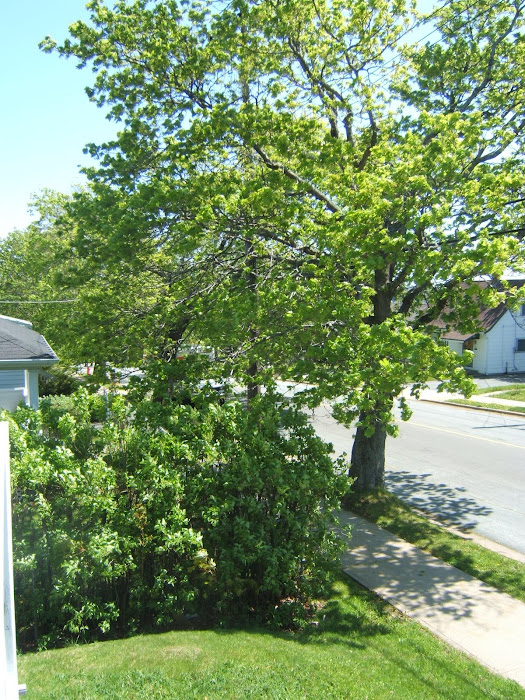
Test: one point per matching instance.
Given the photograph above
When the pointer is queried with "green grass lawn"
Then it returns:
(517, 394)
(520, 388)
(390, 512)
(361, 649)
(481, 404)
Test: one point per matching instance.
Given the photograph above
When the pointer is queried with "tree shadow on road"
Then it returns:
(450, 504)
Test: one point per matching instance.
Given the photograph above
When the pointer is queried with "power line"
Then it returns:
(424, 20)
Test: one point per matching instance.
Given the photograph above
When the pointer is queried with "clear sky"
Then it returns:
(46, 118)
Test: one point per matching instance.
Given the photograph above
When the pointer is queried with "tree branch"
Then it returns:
(311, 189)
(374, 134)
(490, 64)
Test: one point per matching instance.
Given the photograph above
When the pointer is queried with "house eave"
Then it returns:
(461, 337)
(28, 364)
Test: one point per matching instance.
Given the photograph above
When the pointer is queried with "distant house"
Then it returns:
(23, 354)
(499, 345)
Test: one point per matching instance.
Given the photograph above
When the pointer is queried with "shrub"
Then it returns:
(262, 493)
(98, 407)
(164, 510)
(101, 544)
(57, 380)
(80, 404)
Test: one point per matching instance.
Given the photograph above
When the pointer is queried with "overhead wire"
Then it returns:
(42, 301)
(420, 22)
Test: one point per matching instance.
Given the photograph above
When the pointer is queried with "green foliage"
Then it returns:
(165, 510)
(101, 542)
(90, 407)
(295, 185)
(57, 381)
(31, 262)
(263, 497)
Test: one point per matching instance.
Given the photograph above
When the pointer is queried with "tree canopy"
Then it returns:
(307, 183)
(31, 261)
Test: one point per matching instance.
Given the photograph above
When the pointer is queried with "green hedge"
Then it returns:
(167, 510)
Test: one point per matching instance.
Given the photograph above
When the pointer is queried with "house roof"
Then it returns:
(20, 343)
(486, 318)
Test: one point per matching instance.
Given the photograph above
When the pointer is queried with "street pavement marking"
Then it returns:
(474, 437)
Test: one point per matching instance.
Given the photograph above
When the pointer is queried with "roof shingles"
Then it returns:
(19, 342)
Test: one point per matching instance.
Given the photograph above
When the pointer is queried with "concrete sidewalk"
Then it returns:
(465, 612)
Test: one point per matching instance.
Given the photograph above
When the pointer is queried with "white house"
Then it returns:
(23, 353)
(499, 346)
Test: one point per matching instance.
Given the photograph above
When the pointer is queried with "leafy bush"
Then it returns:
(57, 380)
(101, 543)
(262, 493)
(98, 407)
(93, 405)
(163, 511)
(60, 403)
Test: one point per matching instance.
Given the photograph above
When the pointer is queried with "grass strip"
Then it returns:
(390, 512)
(514, 394)
(481, 404)
(361, 648)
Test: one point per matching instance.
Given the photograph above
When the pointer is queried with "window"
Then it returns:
(520, 345)
(522, 310)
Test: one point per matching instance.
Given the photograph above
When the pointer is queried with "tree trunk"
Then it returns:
(368, 459)
(367, 466)
(253, 388)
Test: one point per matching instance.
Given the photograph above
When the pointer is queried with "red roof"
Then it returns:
(486, 319)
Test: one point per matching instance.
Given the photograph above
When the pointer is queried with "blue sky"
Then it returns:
(46, 118)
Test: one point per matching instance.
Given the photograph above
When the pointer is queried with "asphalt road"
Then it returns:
(465, 466)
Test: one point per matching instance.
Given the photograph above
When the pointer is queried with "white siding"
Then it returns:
(12, 388)
(10, 398)
(455, 345)
(501, 340)
(480, 347)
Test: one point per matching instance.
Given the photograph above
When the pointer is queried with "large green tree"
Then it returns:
(359, 178)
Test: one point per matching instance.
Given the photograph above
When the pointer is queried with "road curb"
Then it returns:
(476, 408)
(470, 535)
